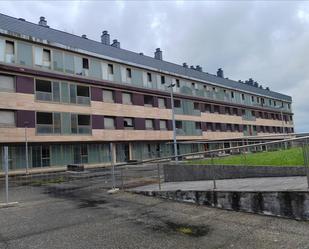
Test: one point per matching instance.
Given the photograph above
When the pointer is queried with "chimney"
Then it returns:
(185, 65)
(84, 36)
(158, 54)
(105, 39)
(220, 73)
(199, 68)
(192, 67)
(141, 53)
(116, 44)
(43, 22)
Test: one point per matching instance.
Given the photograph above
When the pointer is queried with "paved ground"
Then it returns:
(245, 184)
(80, 214)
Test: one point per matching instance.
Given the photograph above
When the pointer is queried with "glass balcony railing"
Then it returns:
(44, 96)
(82, 100)
(44, 129)
(84, 129)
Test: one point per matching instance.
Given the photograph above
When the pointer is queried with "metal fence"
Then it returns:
(292, 152)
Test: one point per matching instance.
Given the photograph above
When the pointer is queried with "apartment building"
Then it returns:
(71, 97)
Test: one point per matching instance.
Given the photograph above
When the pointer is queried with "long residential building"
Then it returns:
(70, 97)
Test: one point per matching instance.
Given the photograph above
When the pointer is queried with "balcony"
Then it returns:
(82, 100)
(44, 96)
(44, 129)
(84, 129)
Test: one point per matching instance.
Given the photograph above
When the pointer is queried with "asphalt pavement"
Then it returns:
(80, 214)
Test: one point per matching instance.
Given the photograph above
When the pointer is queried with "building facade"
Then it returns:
(70, 97)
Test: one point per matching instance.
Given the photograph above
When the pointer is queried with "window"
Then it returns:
(196, 106)
(149, 124)
(128, 123)
(216, 109)
(80, 124)
(149, 77)
(218, 127)
(177, 103)
(269, 102)
(257, 99)
(43, 90)
(7, 118)
(236, 127)
(207, 107)
(161, 103)
(129, 73)
(69, 63)
(79, 94)
(85, 63)
(177, 83)
(252, 99)
(232, 95)
(83, 95)
(178, 124)
(44, 122)
(229, 127)
(163, 125)
(228, 110)
(242, 96)
(162, 79)
(9, 52)
(198, 125)
(253, 113)
(108, 96)
(110, 68)
(109, 123)
(275, 103)
(7, 83)
(193, 85)
(127, 98)
(46, 58)
(148, 100)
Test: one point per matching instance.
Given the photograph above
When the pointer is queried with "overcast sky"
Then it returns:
(268, 41)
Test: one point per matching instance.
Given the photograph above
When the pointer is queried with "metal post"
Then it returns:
(26, 143)
(6, 170)
(121, 174)
(112, 164)
(305, 153)
(159, 177)
(174, 123)
(213, 171)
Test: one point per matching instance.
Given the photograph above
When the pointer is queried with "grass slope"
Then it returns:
(290, 157)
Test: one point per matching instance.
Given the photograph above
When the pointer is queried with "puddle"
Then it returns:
(184, 229)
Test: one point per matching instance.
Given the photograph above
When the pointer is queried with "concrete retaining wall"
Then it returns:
(293, 205)
(183, 172)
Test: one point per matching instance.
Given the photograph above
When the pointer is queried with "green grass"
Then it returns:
(289, 157)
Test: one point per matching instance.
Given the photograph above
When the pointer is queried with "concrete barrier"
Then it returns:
(288, 204)
(185, 172)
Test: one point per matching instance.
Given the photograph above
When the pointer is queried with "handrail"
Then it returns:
(169, 158)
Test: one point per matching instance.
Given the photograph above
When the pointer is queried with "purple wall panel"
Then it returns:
(23, 117)
(138, 99)
(156, 124)
(118, 97)
(119, 123)
(168, 103)
(139, 123)
(24, 84)
(96, 94)
(170, 125)
(155, 101)
(97, 121)
(204, 126)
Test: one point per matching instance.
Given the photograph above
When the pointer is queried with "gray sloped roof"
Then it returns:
(30, 29)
